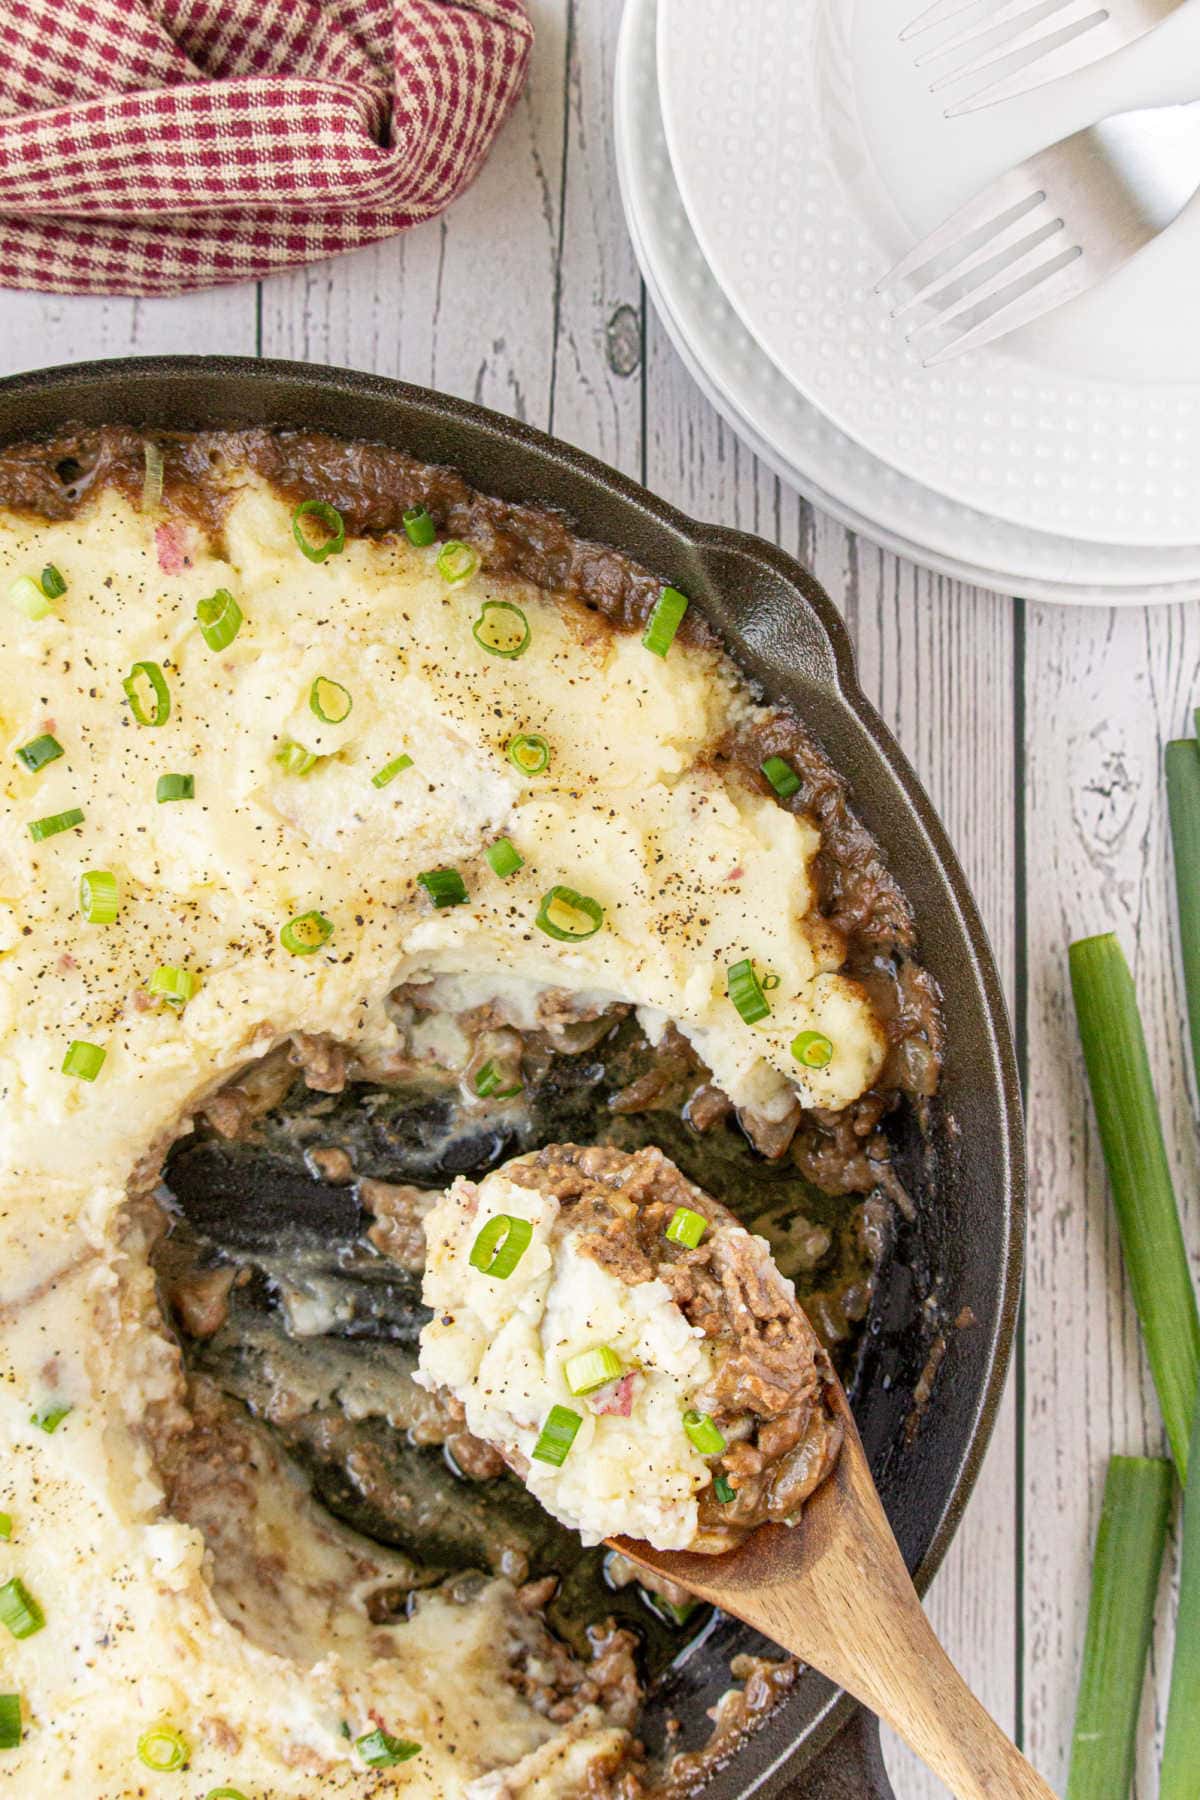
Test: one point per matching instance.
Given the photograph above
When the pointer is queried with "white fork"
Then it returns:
(1051, 228)
(1020, 44)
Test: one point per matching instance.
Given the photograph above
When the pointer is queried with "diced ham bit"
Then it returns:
(171, 549)
(736, 873)
(616, 1397)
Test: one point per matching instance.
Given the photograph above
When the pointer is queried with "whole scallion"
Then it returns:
(1181, 1744)
(1182, 760)
(1114, 1050)
(1125, 1568)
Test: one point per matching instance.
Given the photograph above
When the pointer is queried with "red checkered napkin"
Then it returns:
(152, 146)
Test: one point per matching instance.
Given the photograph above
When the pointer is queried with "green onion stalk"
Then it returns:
(1125, 1570)
(1183, 801)
(1114, 1049)
(1181, 1744)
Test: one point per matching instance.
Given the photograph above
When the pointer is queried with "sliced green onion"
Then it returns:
(445, 887)
(746, 992)
(502, 629)
(529, 752)
(175, 787)
(10, 1721)
(556, 1436)
(39, 751)
(702, 1430)
(294, 759)
(330, 518)
(219, 618)
(487, 1080)
(5, 1526)
(382, 1751)
(52, 584)
(419, 527)
(724, 1489)
(173, 984)
(48, 1418)
(592, 1369)
(813, 1049)
(500, 1245)
(27, 596)
(568, 916)
(152, 477)
(1129, 1549)
(330, 701)
(19, 1610)
(456, 562)
(770, 982)
(53, 823)
(782, 777)
(163, 1749)
(1114, 1051)
(390, 770)
(306, 933)
(225, 1793)
(1181, 1740)
(99, 901)
(504, 857)
(83, 1060)
(665, 621)
(686, 1227)
(151, 674)
(487, 1084)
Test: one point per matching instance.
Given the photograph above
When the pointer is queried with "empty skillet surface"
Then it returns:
(785, 632)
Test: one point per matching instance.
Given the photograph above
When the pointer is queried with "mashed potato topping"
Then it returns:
(712, 1412)
(502, 1348)
(692, 871)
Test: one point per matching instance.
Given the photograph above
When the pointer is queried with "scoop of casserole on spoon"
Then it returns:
(636, 1357)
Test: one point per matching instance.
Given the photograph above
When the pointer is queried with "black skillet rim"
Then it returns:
(781, 1754)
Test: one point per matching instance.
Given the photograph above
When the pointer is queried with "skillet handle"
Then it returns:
(849, 1768)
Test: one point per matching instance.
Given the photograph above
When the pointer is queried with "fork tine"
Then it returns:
(944, 12)
(994, 208)
(1078, 52)
(940, 13)
(1044, 255)
(1072, 279)
(1005, 27)
(1045, 34)
(1025, 233)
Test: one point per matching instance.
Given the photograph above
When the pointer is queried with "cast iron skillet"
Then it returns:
(969, 1180)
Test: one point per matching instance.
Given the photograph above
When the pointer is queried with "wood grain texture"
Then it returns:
(1104, 691)
(836, 1593)
(526, 296)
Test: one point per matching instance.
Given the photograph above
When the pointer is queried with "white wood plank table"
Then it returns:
(1037, 730)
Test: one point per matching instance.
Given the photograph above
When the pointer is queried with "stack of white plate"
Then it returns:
(776, 157)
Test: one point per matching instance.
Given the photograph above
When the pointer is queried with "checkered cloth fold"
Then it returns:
(153, 146)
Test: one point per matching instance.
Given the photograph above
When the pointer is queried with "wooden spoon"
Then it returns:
(834, 1591)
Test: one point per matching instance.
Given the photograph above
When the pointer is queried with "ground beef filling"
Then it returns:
(772, 1389)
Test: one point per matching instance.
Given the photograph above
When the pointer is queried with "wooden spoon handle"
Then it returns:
(911, 1682)
(838, 1595)
(855, 1615)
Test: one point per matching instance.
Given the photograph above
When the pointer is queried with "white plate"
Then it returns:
(782, 117)
(793, 438)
